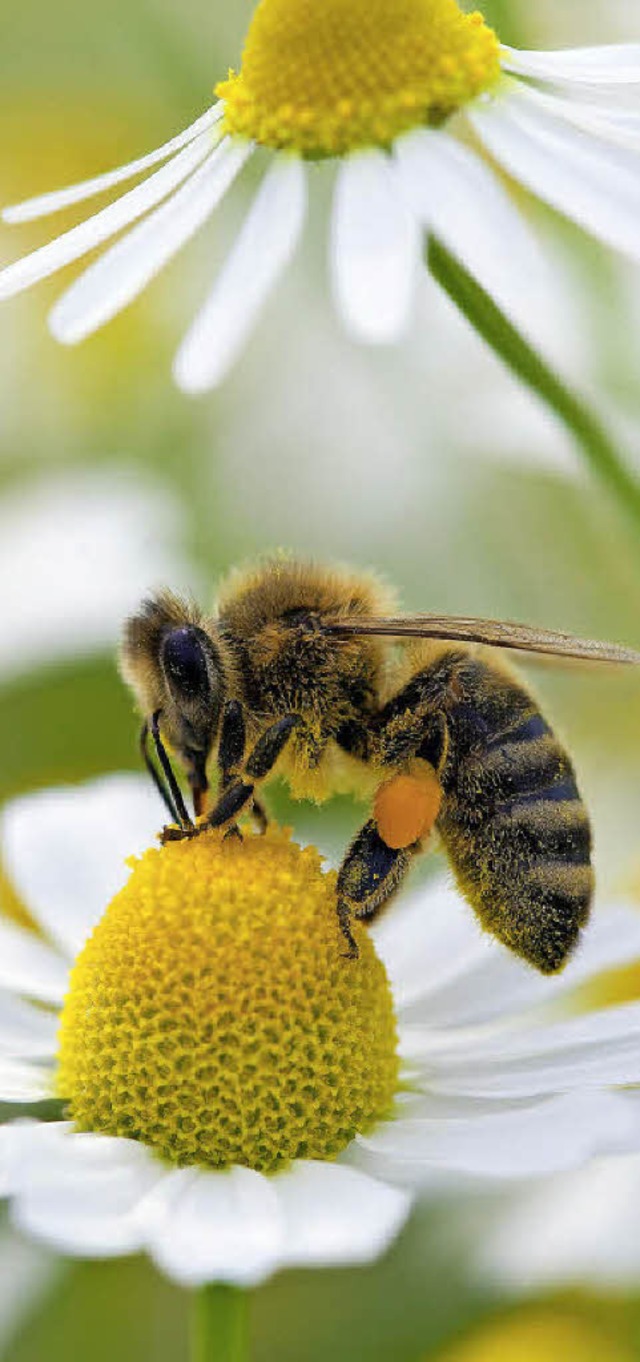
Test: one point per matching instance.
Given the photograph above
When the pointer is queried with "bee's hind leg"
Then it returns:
(369, 875)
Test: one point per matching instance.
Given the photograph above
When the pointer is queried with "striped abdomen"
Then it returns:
(513, 823)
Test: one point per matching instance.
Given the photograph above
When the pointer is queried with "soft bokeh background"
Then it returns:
(427, 463)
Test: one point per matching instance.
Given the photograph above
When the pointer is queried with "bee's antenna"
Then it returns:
(170, 792)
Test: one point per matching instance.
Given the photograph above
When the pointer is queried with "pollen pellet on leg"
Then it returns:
(214, 992)
(406, 808)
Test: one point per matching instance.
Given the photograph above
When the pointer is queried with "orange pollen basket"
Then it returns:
(407, 806)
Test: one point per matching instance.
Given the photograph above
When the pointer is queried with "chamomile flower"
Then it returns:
(577, 1230)
(241, 1097)
(406, 98)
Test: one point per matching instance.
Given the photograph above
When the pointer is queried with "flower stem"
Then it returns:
(495, 328)
(220, 1321)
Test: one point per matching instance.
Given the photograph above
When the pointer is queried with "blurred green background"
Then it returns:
(428, 464)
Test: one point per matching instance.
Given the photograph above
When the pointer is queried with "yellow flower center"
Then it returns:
(214, 1016)
(324, 77)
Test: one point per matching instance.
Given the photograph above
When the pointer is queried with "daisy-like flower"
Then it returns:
(240, 1097)
(82, 545)
(406, 96)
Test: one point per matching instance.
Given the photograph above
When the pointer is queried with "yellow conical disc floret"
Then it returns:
(324, 77)
(214, 1016)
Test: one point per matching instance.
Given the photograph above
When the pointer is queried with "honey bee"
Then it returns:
(307, 671)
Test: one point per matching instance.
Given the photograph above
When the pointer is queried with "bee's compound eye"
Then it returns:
(185, 663)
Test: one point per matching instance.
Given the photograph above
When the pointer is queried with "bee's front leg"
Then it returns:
(239, 778)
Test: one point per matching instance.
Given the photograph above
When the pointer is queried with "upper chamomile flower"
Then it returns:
(405, 96)
(240, 1096)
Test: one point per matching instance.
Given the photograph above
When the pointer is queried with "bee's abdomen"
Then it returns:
(514, 824)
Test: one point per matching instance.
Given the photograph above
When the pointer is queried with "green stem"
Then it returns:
(220, 1331)
(491, 323)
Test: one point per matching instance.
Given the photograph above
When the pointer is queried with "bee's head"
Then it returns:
(175, 664)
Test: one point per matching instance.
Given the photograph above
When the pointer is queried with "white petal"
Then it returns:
(581, 1227)
(558, 1133)
(27, 1144)
(595, 184)
(65, 851)
(375, 249)
(216, 1227)
(28, 966)
(621, 128)
(501, 985)
(427, 940)
(85, 545)
(446, 971)
(84, 1194)
(63, 198)
(462, 202)
(120, 275)
(9, 1135)
(614, 64)
(76, 242)
(26, 1031)
(599, 1049)
(28, 1277)
(264, 246)
(337, 1214)
(23, 1082)
(239, 1226)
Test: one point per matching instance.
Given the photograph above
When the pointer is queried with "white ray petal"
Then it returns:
(84, 1194)
(458, 198)
(620, 128)
(599, 1049)
(427, 939)
(613, 64)
(375, 249)
(594, 183)
(10, 1133)
(548, 1136)
(65, 852)
(118, 277)
(212, 1226)
(75, 193)
(76, 242)
(29, 1279)
(334, 1213)
(264, 247)
(495, 984)
(20, 1082)
(240, 1226)
(85, 542)
(578, 1228)
(26, 1031)
(30, 967)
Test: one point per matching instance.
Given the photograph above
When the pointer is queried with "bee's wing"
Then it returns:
(495, 633)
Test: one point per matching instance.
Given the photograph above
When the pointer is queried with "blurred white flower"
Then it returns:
(495, 1082)
(578, 1229)
(396, 104)
(29, 1274)
(80, 549)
